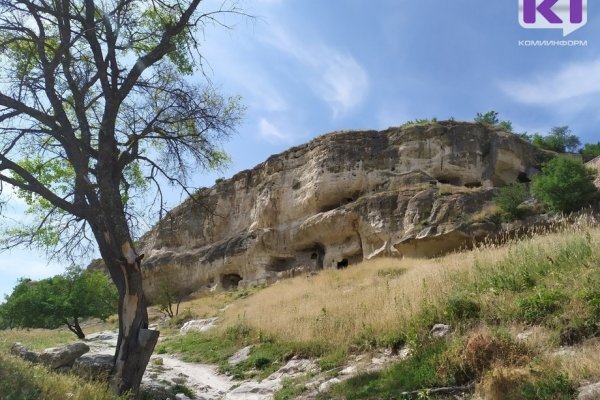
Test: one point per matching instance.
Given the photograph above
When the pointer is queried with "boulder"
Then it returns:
(197, 325)
(19, 350)
(94, 366)
(439, 331)
(589, 392)
(63, 356)
(240, 356)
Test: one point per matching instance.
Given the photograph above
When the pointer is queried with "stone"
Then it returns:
(181, 396)
(240, 356)
(21, 351)
(63, 356)
(323, 387)
(94, 366)
(589, 392)
(439, 331)
(340, 199)
(198, 325)
(351, 370)
(254, 390)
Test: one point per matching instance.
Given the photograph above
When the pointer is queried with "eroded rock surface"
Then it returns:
(337, 200)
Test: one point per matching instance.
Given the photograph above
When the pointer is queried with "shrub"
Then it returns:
(565, 185)
(489, 118)
(461, 306)
(554, 386)
(590, 150)
(510, 197)
(537, 307)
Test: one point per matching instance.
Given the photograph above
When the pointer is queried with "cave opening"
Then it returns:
(230, 281)
(523, 178)
(342, 264)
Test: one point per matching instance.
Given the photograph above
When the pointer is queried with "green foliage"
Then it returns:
(169, 292)
(332, 359)
(510, 197)
(551, 386)
(461, 307)
(505, 126)
(20, 380)
(590, 150)
(491, 118)
(536, 307)
(289, 390)
(420, 121)
(417, 372)
(62, 299)
(559, 139)
(565, 185)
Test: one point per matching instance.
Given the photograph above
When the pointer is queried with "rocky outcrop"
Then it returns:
(337, 200)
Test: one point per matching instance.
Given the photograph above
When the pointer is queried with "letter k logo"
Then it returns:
(567, 15)
(530, 11)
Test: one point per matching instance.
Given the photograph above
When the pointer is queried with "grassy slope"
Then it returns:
(548, 286)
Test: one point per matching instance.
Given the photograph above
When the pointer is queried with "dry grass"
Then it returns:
(22, 380)
(338, 307)
(39, 339)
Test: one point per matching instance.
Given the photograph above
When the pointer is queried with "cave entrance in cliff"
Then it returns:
(523, 178)
(230, 281)
(342, 264)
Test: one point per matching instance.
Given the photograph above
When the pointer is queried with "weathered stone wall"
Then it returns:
(339, 199)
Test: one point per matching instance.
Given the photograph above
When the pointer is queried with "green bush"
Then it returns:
(510, 197)
(565, 185)
(535, 308)
(590, 150)
(551, 387)
(461, 306)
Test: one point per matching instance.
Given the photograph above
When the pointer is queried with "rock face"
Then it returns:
(337, 200)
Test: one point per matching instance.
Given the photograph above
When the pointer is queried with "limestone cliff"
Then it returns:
(339, 199)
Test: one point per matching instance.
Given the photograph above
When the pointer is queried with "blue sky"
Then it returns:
(308, 67)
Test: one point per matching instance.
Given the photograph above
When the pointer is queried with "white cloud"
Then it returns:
(335, 76)
(271, 132)
(572, 81)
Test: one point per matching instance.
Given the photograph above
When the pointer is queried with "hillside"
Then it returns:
(513, 321)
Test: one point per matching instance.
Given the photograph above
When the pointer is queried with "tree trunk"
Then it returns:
(75, 328)
(136, 342)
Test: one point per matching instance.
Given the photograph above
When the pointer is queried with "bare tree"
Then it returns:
(96, 108)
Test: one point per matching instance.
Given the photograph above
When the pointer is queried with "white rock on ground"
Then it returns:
(198, 325)
(240, 356)
(589, 392)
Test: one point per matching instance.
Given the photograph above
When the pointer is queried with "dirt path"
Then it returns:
(202, 379)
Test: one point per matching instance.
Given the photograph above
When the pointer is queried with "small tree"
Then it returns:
(510, 197)
(60, 300)
(591, 150)
(559, 140)
(169, 293)
(565, 185)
